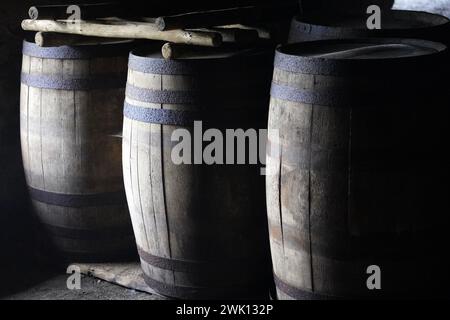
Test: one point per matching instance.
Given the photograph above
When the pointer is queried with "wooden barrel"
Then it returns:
(70, 115)
(358, 170)
(394, 23)
(200, 229)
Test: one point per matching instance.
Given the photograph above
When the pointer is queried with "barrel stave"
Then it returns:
(348, 190)
(71, 106)
(189, 249)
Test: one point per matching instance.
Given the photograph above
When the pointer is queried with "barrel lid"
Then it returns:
(85, 51)
(356, 55)
(363, 50)
(390, 20)
(150, 60)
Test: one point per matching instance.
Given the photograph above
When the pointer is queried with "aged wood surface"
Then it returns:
(69, 150)
(124, 29)
(348, 188)
(205, 216)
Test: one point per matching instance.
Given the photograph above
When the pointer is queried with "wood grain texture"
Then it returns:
(209, 218)
(124, 29)
(351, 188)
(69, 147)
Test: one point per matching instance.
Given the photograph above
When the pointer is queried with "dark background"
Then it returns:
(17, 231)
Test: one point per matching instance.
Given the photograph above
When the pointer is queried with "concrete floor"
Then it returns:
(55, 288)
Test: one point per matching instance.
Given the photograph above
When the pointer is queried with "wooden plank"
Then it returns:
(34, 120)
(24, 119)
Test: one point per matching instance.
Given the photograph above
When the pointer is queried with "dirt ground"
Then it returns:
(55, 288)
(27, 279)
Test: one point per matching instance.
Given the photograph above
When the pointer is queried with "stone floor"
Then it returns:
(55, 288)
(22, 277)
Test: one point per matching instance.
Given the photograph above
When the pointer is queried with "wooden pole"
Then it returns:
(169, 51)
(263, 32)
(180, 51)
(202, 19)
(52, 39)
(126, 30)
(223, 17)
(234, 35)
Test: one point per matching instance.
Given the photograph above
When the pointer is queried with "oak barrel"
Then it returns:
(200, 229)
(358, 170)
(394, 23)
(70, 115)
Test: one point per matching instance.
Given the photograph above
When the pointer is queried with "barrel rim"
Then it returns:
(119, 48)
(319, 65)
(307, 21)
(438, 46)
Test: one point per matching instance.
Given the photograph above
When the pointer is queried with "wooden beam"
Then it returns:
(180, 51)
(224, 16)
(52, 39)
(234, 35)
(126, 30)
(263, 32)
